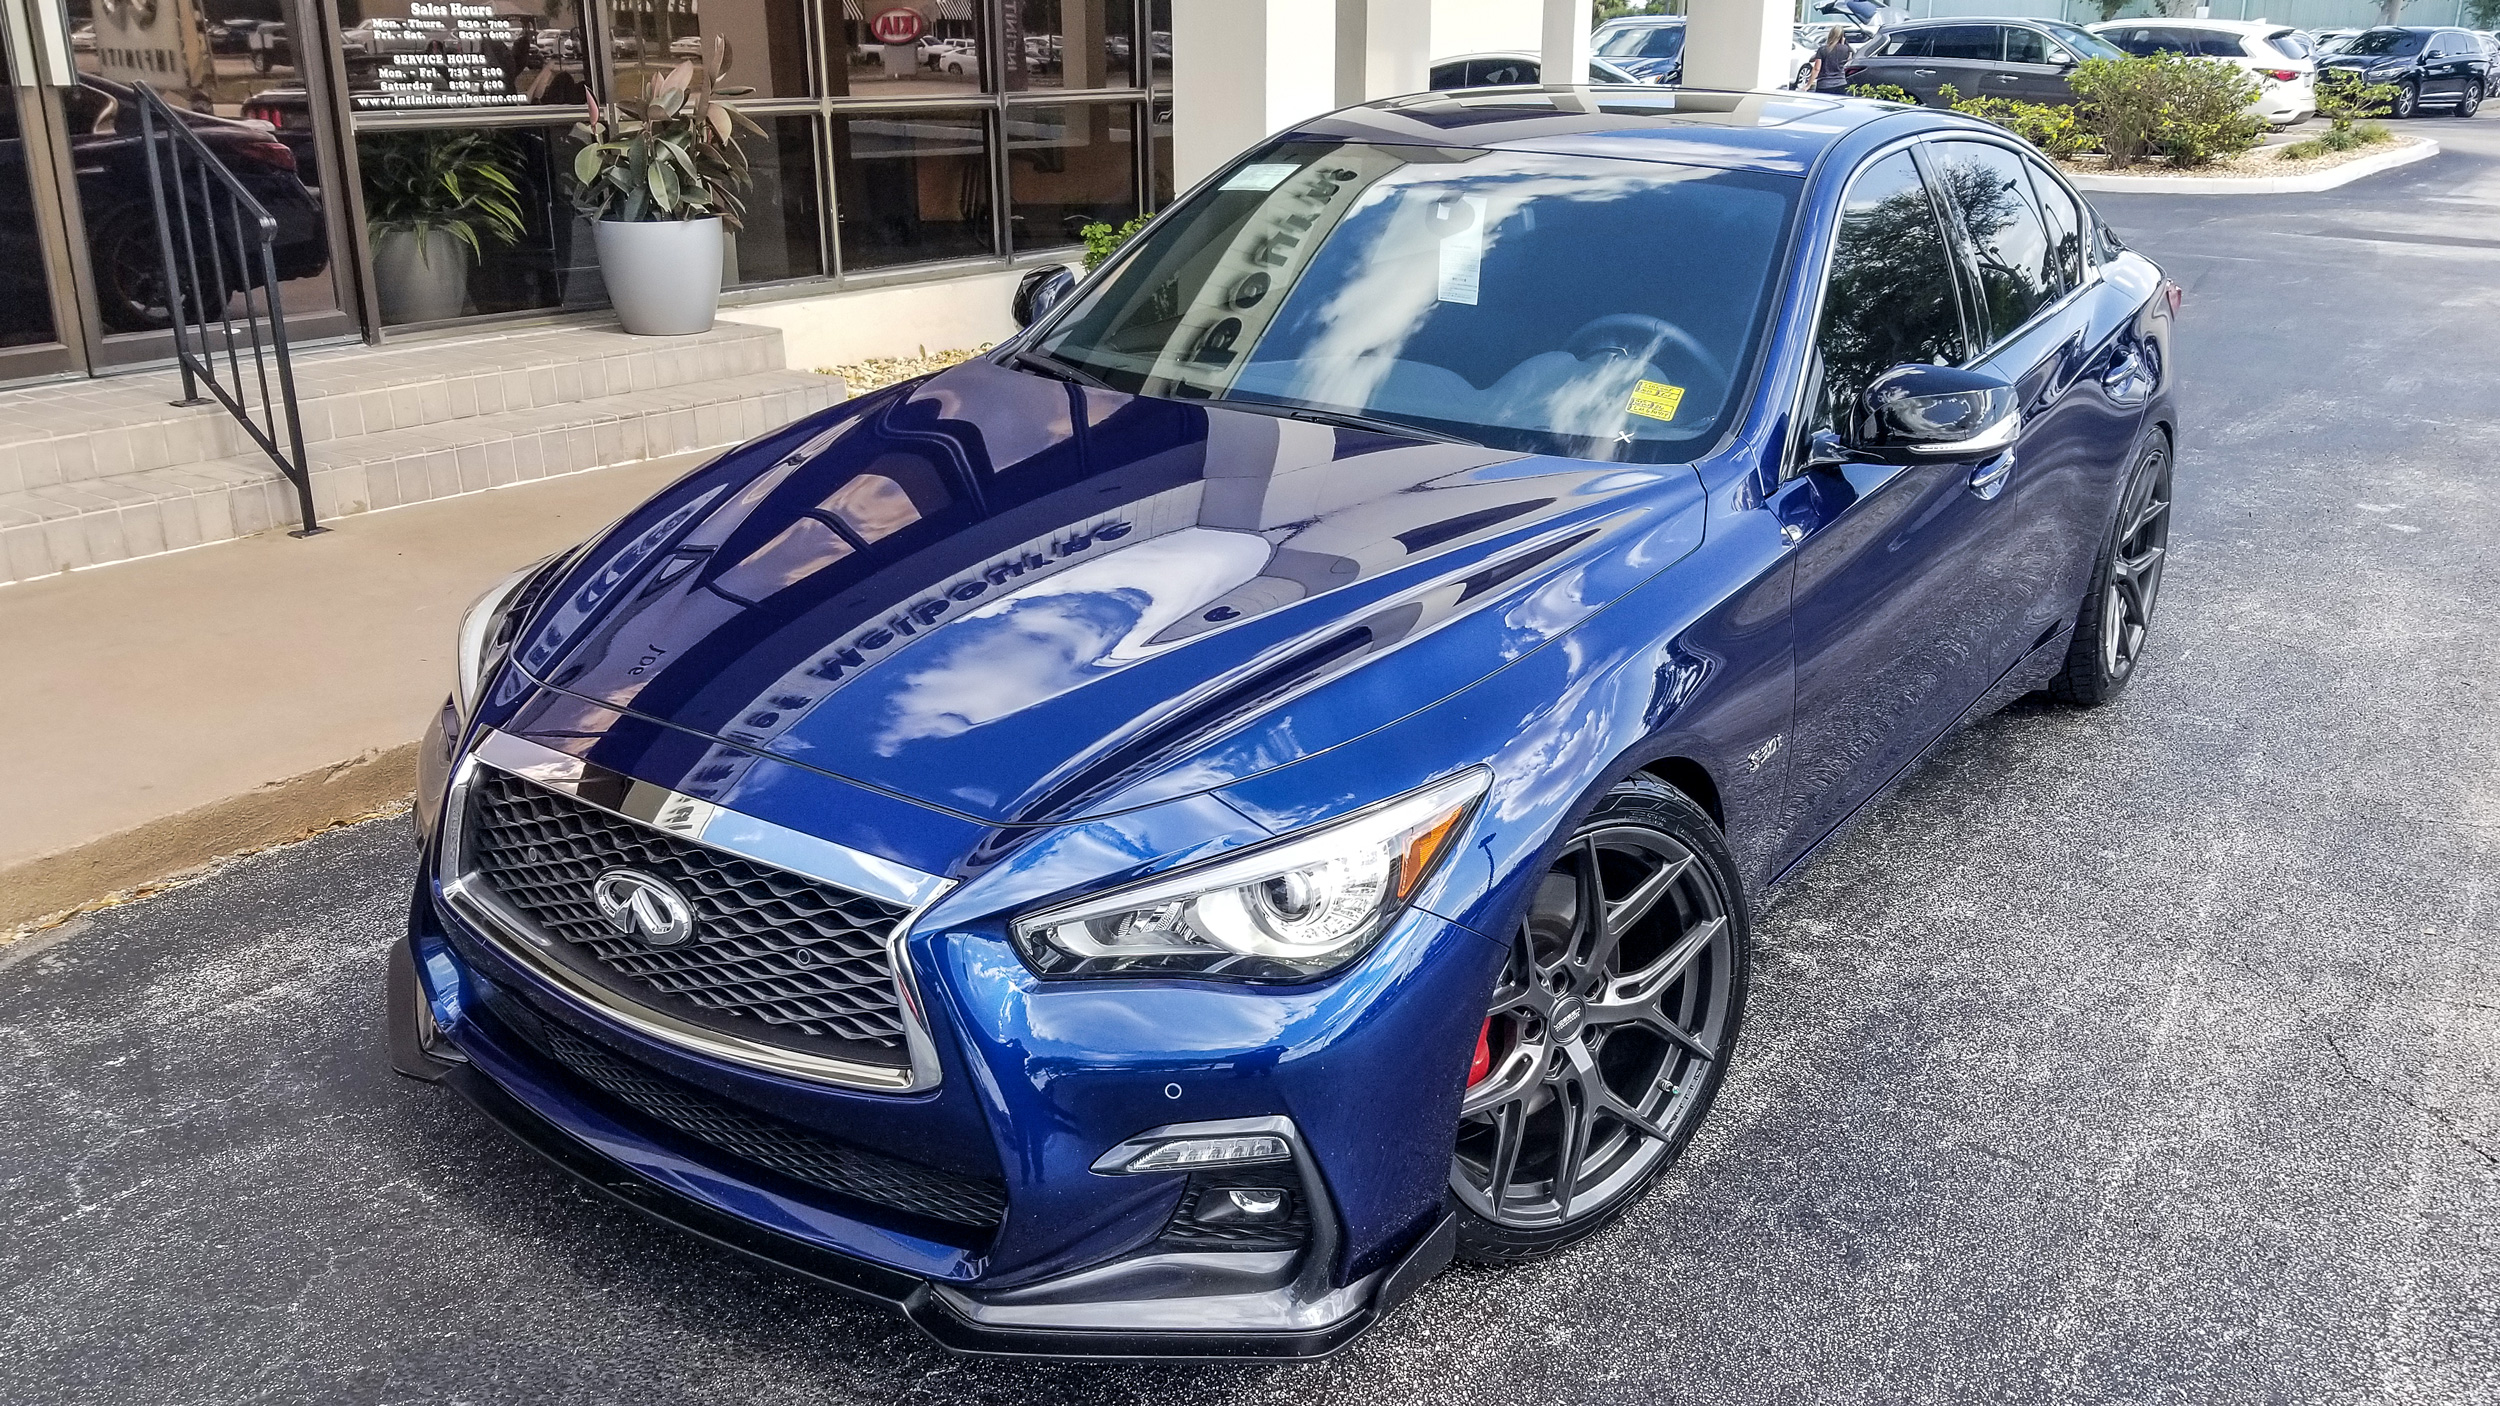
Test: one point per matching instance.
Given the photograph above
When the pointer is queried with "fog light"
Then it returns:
(1257, 1202)
(1196, 1152)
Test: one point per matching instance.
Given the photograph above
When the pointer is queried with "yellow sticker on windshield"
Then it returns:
(1655, 399)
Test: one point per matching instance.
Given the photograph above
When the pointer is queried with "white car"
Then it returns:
(2276, 53)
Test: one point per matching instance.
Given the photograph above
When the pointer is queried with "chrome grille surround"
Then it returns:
(672, 816)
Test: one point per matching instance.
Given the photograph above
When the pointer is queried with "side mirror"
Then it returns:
(1040, 290)
(1916, 411)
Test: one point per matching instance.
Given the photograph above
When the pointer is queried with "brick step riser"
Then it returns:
(222, 511)
(205, 434)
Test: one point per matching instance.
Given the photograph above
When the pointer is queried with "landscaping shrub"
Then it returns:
(2204, 115)
(2343, 138)
(2343, 99)
(1102, 240)
(1883, 92)
(2054, 128)
(2193, 111)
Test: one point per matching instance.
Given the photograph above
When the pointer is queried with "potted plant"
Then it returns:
(660, 178)
(431, 199)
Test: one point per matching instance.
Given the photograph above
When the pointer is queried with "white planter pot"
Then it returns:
(662, 275)
(420, 280)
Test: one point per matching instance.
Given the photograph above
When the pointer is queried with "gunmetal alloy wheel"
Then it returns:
(2126, 584)
(1607, 1031)
(2408, 100)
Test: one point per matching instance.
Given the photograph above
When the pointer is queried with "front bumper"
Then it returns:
(1212, 1307)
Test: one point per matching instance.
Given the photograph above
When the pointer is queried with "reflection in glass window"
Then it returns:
(766, 39)
(912, 187)
(1889, 298)
(552, 264)
(421, 55)
(778, 239)
(1987, 189)
(1069, 167)
(1160, 133)
(1158, 43)
(903, 48)
(1067, 44)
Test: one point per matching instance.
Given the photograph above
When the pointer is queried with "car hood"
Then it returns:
(1015, 598)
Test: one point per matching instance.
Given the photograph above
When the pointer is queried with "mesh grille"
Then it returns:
(786, 953)
(794, 1152)
(1188, 1231)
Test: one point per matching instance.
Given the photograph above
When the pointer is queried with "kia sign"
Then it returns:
(898, 26)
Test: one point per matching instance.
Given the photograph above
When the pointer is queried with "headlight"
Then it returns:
(1289, 910)
(486, 630)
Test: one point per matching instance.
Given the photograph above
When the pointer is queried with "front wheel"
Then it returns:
(2126, 581)
(2407, 102)
(1608, 1031)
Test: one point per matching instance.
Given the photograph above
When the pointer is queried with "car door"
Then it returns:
(1967, 56)
(2033, 70)
(1897, 625)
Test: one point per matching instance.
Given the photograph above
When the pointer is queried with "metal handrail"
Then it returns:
(210, 195)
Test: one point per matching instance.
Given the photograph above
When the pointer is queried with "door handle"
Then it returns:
(1924, 72)
(1988, 480)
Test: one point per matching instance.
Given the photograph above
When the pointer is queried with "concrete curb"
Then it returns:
(165, 847)
(2422, 148)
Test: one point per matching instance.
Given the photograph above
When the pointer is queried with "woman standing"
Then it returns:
(1830, 62)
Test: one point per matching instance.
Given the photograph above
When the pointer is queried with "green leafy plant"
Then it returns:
(2343, 99)
(2205, 114)
(1887, 93)
(2121, 101)
(459, 183)
(2344, 138)
(1102, 240)
(2052, 127)
(672, 156)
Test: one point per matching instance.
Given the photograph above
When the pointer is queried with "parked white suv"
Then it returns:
(2277, 53)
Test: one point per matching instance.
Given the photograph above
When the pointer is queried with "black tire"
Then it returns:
(129, 268)
(1581, 1053)
(2408, 100)
(2117, 614)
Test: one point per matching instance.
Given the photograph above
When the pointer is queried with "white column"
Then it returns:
(1243, 69)
(1741, 44)
(1384, 48)
(1564, 56)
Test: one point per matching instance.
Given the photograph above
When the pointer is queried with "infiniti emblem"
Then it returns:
(643, 907)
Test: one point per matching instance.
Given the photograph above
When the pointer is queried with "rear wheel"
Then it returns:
(2126, 581)
(2470, 101)
(1608, 1031)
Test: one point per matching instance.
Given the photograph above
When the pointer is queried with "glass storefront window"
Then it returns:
(767, 41)
(1159, 42)
(903, 48)
(422, 55)
(912, 187)
(1069, 167)
(778, 238)
(1160, 128)
(551, 265)
(1067, 43)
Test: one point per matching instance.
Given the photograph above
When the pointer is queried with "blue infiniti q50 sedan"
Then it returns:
(1152, 842)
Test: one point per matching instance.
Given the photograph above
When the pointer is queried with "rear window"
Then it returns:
(2290, 44)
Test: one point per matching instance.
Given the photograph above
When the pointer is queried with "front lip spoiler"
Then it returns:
(913, 1297)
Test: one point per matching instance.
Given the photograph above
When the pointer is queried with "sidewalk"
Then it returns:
(161, 712)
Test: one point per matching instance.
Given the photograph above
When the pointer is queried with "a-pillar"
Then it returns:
(1741, 44)
(1242, 69)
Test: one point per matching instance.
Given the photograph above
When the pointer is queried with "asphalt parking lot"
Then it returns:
(2150, 1054)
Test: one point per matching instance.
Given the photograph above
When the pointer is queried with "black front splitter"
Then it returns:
(911, 1296)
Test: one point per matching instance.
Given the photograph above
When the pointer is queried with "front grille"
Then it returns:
(794, 1152)
(774, 954)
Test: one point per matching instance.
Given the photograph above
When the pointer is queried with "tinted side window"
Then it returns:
(1912, 45)
(1965, 41)
(1890, 298)
(2025, 45)
(2066, 224)
(1987, 190)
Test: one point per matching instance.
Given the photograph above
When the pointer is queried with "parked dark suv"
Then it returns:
(2427, 67)
(2022, 59)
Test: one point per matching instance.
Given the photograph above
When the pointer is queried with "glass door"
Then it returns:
(34, 286)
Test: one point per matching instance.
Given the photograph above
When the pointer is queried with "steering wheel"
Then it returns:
(1638, 335)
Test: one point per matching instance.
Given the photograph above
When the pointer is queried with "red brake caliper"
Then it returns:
(1482, 1064)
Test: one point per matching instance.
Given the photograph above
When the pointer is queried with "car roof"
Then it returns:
(1781, 132)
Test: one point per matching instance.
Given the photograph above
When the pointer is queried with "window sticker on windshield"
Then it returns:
(1460, 223)
(1655, 400)
(1263, 175)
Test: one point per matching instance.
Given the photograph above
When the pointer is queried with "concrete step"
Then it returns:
(76, 431)
(141, 512)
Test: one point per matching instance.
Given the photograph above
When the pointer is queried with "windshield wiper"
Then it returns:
(1043, 363)
(1343, 419)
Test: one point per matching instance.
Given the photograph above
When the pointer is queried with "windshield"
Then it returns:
(2084, 43)
(1595, 308)
(1642, 41)
(2383, 41)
